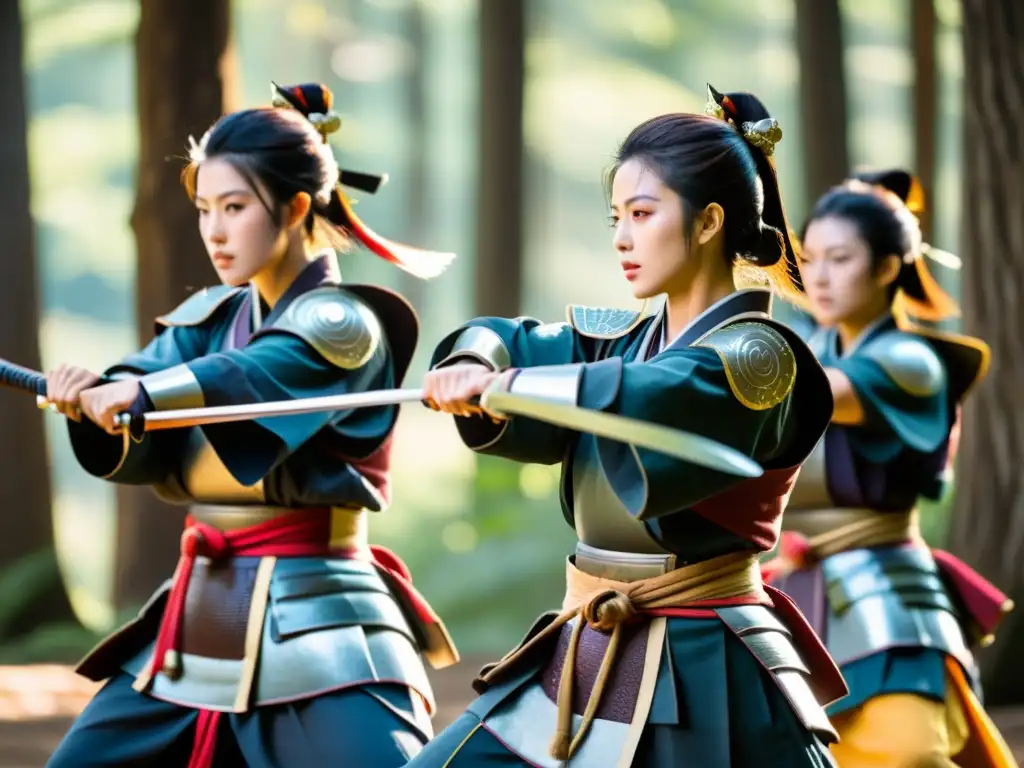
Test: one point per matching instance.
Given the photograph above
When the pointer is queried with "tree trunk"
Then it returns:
(416, 219)
(819, 44)
(925, 106)
(184, 65)
(988, 527)
(502, 36)
(499, 236)
(26, 528)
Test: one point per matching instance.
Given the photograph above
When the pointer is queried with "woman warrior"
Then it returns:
(669, 651)
(899, 618)
(284, 638)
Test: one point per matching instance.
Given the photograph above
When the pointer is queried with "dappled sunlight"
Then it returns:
(73, 151)
(427, 443)
(82, 341)
(649, 22)
(881, 63)
(539, 481)
(78, 145)
(305, 18)
(77, 25)
(896, 151)
(371, 61)
(580, 104)
(547, 294)
(85, 530)
(875, 13)
(459, 536)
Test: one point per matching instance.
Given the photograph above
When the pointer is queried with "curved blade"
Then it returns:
(222, 414)
(686, 446)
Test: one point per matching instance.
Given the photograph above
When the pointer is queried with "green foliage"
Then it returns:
(24, 582)
(936, 517)
(32, 578)
(58, 643)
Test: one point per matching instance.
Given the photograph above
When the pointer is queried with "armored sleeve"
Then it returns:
(902, 386)
(327, 342)
(734, 386)
(526, 343)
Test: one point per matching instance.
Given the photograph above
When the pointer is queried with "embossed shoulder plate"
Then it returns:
(602, 322)
(198, 307)
(909, 361)
(759, 363)
(343, 329)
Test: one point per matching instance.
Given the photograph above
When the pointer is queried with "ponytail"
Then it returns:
(315, 102)
(762, 133)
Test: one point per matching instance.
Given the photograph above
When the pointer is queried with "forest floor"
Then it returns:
(38, 703)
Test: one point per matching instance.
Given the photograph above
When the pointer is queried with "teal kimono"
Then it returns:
(303, 637)
(893, 613)
(740, 684)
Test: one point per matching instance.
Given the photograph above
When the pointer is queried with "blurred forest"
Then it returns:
(495, 121)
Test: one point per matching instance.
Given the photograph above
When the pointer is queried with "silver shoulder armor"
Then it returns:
(197, 308)
(602, 322)
(340, 327)
(759, 363)
(909, 361)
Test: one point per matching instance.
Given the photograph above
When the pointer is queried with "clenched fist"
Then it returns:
(64, 387)
(453, 389)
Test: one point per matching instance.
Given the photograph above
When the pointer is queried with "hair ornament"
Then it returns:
(326, 122)
(763, 134)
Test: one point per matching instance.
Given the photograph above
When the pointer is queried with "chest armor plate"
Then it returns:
(206, 479)
(811, 488)
(601, 519)
(203, 474)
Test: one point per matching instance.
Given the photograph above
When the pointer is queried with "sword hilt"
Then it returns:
(25, 379)
(135, 426)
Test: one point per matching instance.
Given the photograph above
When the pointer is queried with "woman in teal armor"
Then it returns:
(669, 650)
(899, 618)
(284, 638)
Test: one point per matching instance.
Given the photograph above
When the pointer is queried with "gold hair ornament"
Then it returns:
(763, 134)
(325, 122)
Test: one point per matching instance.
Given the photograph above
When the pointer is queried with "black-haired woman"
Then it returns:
(284, 638)
(669, 650)
(900, 619)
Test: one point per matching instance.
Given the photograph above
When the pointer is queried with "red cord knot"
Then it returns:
(206, 540)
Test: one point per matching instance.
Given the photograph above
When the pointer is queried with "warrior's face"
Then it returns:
(842, 283)
(240, 233)
(650, 226)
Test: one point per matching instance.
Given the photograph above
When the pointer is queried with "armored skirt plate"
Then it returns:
(329, 624)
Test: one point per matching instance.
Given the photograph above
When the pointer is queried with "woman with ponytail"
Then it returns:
(668, 650)
(900, 619)
(283, 638)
